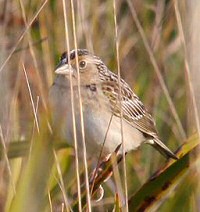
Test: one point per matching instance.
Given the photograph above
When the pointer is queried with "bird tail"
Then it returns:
(164, 150)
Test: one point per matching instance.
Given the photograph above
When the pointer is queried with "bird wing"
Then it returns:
(133, 110)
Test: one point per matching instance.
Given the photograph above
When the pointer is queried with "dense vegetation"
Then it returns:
(37, 167)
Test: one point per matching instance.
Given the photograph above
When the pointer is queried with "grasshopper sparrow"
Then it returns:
(102, 105)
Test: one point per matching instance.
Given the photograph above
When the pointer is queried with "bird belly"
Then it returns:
(103, 130)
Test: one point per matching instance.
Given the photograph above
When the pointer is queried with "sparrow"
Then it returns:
(111, 111)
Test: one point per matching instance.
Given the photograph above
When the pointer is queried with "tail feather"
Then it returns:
(164, 150)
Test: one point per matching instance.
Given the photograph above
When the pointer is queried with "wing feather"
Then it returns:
(133, 109)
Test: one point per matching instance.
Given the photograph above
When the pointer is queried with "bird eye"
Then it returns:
(82, 64)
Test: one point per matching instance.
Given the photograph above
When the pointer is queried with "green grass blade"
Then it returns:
(158, 186)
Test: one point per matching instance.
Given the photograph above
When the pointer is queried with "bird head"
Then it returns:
(88, 65)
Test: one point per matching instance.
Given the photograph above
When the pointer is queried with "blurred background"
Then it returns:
(159, 58)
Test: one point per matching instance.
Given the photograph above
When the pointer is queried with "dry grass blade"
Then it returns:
(103, 173)
(73, 110)
(27, 47)
(81, 109)
(50, 202)
(191, 59)
(100, 154)
(31, 98)
(7, 160)
(84, 25)
(22, 35)
(191, 89)
(64, 193)
(34, 124)
(39, 78)
(156, 68)
(121, 111)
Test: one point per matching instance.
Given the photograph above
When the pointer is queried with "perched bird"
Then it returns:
(102, 106)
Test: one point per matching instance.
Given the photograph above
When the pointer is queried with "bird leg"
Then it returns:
(104, 171)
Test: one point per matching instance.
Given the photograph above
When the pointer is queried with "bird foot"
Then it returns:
(104, 171)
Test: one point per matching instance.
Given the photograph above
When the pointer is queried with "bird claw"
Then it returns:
(99, 194)
(109, 156)
(103, 163)
(104, 170)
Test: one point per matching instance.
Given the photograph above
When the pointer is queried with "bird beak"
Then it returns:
(64, 69)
